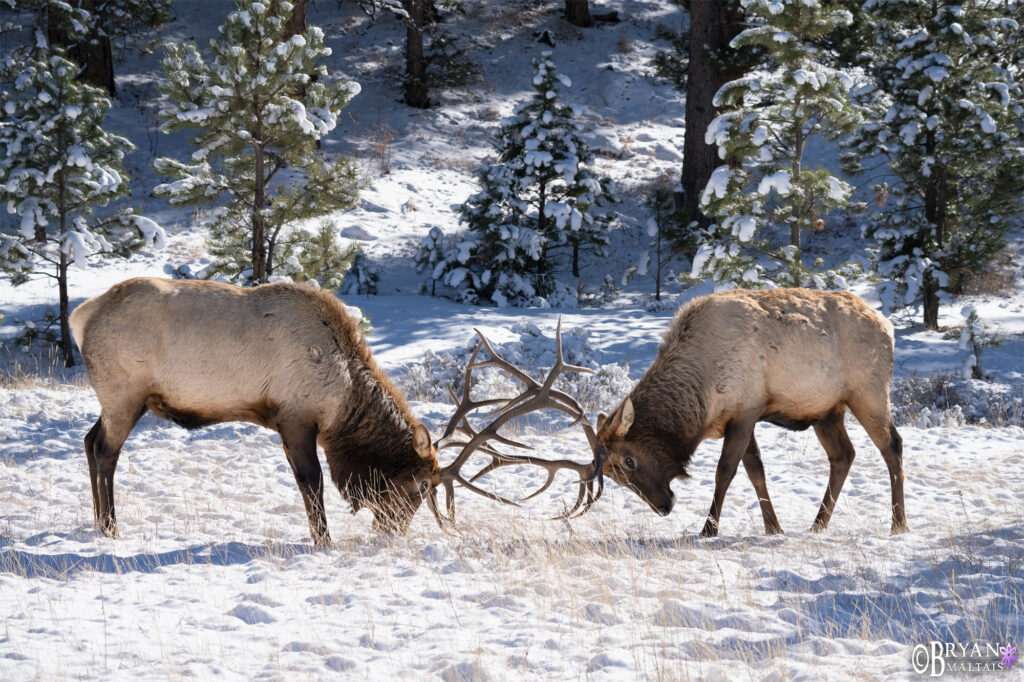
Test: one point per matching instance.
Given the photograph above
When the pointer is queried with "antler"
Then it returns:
(536, 396)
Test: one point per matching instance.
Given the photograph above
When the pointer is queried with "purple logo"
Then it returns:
(1009, 656)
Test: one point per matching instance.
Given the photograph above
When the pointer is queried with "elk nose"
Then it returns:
(666, 509)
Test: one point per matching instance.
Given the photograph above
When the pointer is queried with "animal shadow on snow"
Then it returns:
(60, 565)
(971, 591)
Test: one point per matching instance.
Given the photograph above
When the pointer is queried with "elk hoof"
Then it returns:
(818, 527)
(899, 528)
(710, 530)
(774, 529)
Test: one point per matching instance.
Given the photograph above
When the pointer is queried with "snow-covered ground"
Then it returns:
(215, 575)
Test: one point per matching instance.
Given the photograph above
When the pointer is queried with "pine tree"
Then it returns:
(317, 258)
(537, 197)
(496, 261)
(57, 164)
(669, 231)
(949, 119)
(768, 117)
(259, 115)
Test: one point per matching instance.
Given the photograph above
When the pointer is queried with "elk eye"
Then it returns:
(424, 486)
(629, 463)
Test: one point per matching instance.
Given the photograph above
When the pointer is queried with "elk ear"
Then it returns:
(621, 419)
(601, 419)
(421, 442)
(625, 418)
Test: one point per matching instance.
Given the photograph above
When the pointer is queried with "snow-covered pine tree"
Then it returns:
(543, 146)
(57, 164)
(317, 258)
(430, 254)
(949, 122)
(496, 260)
(768, 117)
(540, 195)
(669, 230)
(259, 115)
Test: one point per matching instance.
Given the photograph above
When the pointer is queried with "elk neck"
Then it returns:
(371, 436)
(671, 404)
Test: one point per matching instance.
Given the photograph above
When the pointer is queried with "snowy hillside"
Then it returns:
(215, 575)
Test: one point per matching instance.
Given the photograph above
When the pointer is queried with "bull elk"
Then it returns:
(287, 357)
(791, 357)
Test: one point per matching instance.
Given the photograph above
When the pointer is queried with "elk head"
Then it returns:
(638, 465)
(536, 396)
(394, 498)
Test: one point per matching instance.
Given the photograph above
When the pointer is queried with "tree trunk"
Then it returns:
(259, 248)
(930, 289)
(93, 53)
(798, 152)
(415, 90)
(657, 268)
(935, 213)
(712, 26)
(576, 260)
(62, 267)
(296, 24)
(577, 13)
(66, 347)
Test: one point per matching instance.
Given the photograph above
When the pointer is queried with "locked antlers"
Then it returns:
(536, 396)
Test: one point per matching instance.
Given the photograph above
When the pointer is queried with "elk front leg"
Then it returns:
(737, 436)
(300, 447)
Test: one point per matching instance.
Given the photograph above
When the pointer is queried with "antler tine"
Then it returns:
(464, 406)
(560, 363)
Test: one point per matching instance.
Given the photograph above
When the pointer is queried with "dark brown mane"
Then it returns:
(342, 323)
(372, 444)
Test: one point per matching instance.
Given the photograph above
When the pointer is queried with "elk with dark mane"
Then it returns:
(796, 358)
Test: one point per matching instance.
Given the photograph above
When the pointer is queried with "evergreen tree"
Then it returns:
(57, 164)
(431, 254)
(537, 197)
(949, 120)
(496, 261)
(768, 117)
(317, 258)
(668, 229)
(259, 114)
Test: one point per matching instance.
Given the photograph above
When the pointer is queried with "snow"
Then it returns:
(780, 181)
(215, 577)
(718, 184)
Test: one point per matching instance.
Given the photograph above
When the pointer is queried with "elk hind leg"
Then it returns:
(876, 419)
(832, 435)
(755, 472)
(90, 443)
(737, 436)
(300, 448)
(102, 448)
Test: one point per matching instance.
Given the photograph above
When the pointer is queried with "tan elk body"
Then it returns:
(284, 356)
(792, 357)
